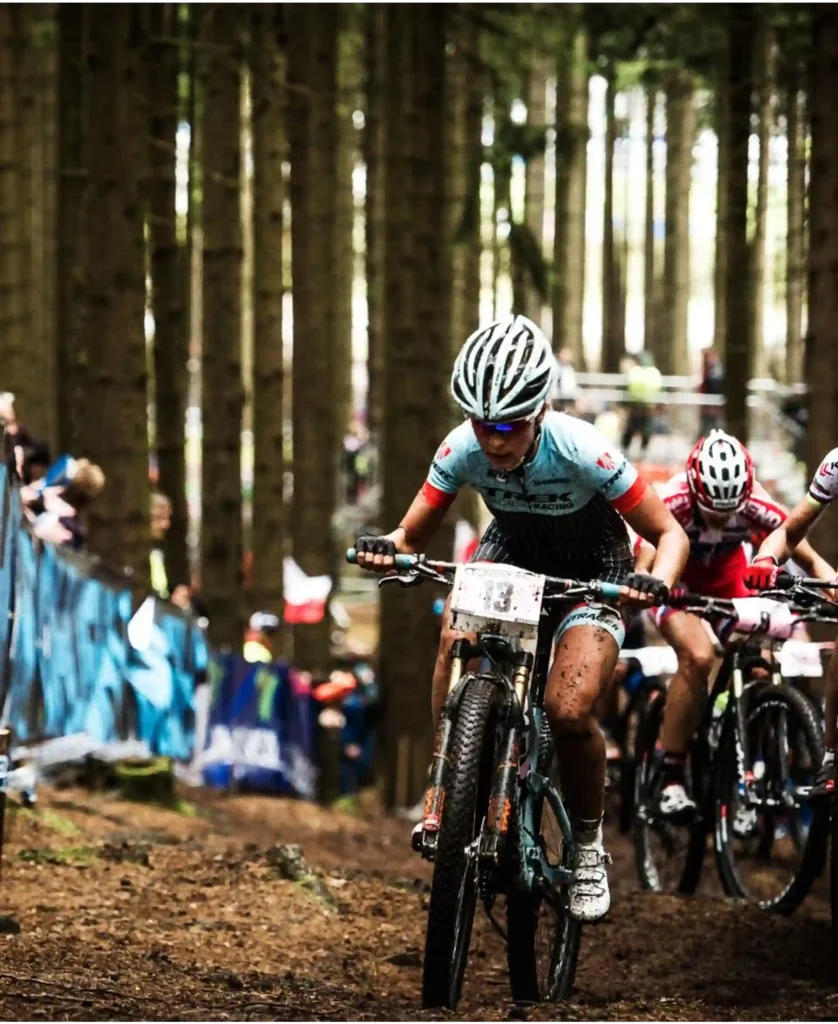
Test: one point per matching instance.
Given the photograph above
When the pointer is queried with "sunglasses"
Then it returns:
(511, 428)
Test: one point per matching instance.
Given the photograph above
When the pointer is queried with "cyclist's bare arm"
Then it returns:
(644, 557)
(811, 562)
(670, 548)
(789, 535)
(412, 535)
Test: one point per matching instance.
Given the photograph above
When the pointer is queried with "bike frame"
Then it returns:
(515, 788)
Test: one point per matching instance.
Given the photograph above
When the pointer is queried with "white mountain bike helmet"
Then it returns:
(720, 473)
(505, 371)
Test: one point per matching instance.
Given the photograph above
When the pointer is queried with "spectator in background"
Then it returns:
(15, 437)
(356, 461)
(712, 383)
(36, 460)
(644, 388)
(567, 387)
(55, 504)
(258, 640)
(179, 592)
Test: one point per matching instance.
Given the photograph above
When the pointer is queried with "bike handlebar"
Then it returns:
(559, 587)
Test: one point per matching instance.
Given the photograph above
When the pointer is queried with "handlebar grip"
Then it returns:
(612, 591)
(402, 561)
(785, 580)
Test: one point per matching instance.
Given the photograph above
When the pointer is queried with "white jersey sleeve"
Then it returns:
(824, 486)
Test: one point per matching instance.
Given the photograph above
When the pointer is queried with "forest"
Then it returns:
(270, 220)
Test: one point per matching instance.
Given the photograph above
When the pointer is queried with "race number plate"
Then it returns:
(496, 598)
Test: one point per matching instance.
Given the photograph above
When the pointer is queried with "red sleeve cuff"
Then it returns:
(435, 497)
(632, 498)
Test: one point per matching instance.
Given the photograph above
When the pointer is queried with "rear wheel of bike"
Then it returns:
(669, 857)
(629, 738)
(833, 868)
(543, 939)
(771, 852)
(454, 887)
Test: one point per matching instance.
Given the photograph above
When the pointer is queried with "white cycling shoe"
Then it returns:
(590, 896)
(676, 804)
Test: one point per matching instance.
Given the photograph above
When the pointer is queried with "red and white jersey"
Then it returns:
(759, 516)
(824, 486)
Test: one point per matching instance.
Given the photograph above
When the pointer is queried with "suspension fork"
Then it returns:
(461, 651)
(505, 780)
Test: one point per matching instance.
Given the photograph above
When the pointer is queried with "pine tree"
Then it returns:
(71, 356)
(796, 197)
(680, 136)
(169, 283)
(313, 136)
(739, 334)
(267, 67)
(417, 309)
(822, 340)
(114, 424)
(571, 176)
(221, 369)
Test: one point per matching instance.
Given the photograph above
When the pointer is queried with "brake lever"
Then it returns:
(408, 579)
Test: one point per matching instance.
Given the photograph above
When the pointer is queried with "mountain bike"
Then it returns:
(494, 822)
(806, 591)
(757, 750)
(642, 683)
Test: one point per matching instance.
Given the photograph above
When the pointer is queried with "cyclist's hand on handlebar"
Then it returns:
(376, 553)
(762, 573)
(645, 589)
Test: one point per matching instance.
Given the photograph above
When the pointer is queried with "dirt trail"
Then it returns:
(129, 912)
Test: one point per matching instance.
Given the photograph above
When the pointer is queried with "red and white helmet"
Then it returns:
(720, 473)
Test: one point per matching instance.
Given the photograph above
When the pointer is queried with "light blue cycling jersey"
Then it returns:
(559, 511)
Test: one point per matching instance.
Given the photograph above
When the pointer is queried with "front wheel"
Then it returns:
(771, 843)
(454, 887)
(669, 857)
(544, 939)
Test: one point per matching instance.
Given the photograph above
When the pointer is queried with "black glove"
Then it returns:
(650, 585)
(369, 545)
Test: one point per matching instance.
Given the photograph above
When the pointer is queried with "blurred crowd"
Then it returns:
(55, 493)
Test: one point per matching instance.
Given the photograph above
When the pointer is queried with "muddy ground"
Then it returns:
(131, 912)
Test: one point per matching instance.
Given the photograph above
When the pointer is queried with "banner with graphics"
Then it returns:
(261, 729)
(67, 662)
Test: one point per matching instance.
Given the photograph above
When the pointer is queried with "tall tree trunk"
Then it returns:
(374, 210)
(417, 282)
(722, 186)
(613, 345)
(502, 179)
(796, 197)
(222, 393)
(349, 95)
(44, 214)
(651, 339)
(740, 81)
(268, 98)
(313, 133)
(167, 260)
(464, 154)
(12, 313)
(822, 337)
(571, 177)
(680, 136)
(757, 284)
(115, 424)
(30, 371)
(534, 195)
(72, 185)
